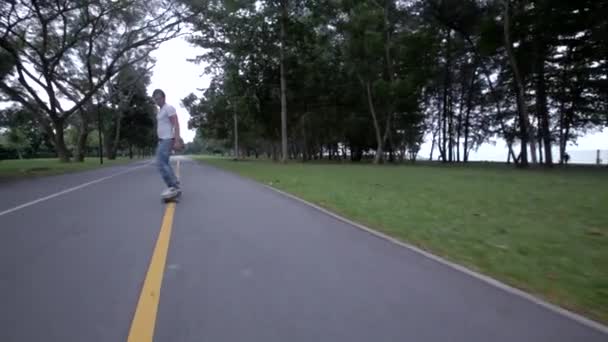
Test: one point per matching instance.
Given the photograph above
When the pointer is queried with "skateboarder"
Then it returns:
(168, 139)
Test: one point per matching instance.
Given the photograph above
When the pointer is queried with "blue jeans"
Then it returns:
(163, 153)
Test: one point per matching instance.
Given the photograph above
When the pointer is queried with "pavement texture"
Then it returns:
(244, 264)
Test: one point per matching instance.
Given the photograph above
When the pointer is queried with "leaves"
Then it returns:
(60, 55)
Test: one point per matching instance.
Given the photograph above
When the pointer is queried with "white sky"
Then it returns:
(178, 78)
(581, 152)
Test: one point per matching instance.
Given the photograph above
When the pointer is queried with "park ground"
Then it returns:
(543, 231)
(81, 254)
(23, 168)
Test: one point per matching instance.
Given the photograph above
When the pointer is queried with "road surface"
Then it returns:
(93, 257)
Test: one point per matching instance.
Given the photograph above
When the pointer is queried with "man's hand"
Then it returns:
(178, 144)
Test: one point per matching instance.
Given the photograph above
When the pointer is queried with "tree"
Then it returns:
(126, 96)
(49, 43)
(15, 139)
(137, 128)
(283, 29)
(370, 79)
(24, 132)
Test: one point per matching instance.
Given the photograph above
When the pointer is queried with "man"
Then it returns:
(167, 129)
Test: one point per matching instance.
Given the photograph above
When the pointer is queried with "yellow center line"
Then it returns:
(144, 320)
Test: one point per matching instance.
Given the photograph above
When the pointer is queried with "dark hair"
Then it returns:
(158, 91)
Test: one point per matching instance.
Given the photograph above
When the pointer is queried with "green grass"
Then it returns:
(14, 169)
(545, 232)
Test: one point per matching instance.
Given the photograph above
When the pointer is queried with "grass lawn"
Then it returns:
(11, 169)
(542, 231)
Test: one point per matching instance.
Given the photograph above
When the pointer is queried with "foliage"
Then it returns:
(383, 76)
(57, 56)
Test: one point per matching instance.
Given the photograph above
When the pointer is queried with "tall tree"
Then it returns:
(372, 78)
(283, 37)
(45, 42)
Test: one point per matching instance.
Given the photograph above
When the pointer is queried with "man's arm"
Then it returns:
(175, 123)
(177, 143)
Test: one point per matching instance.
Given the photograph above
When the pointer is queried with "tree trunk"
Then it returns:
(459, 130)
(390, 75)
(541, 103)
(532, 139)
(59, 141)
(562, 116)
(112, 136)
(387, 130)
(236, 134)
(565, 135)
(540, 150)
(106, 149)
(433, 144)
(356, 154)
(451, 129)
(293, 147)
(283, 82)
(437, 133)
(563, 112)
(521, 105)
(116, 141)
(386, 138)
(465, 158)
(99, 135)
(467, 120)
(540, 142)
(460, 110)
(109, 139)
(446, 86)
(372, 110)
(274, 152)
(81, 144)
(107, 144)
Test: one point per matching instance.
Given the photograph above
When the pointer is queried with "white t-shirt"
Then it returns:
(164, 128)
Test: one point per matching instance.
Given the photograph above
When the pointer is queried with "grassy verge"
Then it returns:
(14, 169)
(542, 231)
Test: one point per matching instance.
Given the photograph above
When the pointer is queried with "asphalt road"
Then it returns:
(244, 264)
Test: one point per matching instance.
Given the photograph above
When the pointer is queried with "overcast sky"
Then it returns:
(178, 78)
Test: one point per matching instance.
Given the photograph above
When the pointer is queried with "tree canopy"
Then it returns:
(307, 79)
(57, 57)
(378, 76)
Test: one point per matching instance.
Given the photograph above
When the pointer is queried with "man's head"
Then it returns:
(159, 97)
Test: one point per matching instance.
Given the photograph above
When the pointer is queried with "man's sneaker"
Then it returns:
(170, 192)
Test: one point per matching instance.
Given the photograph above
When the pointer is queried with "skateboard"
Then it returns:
(174, 198)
